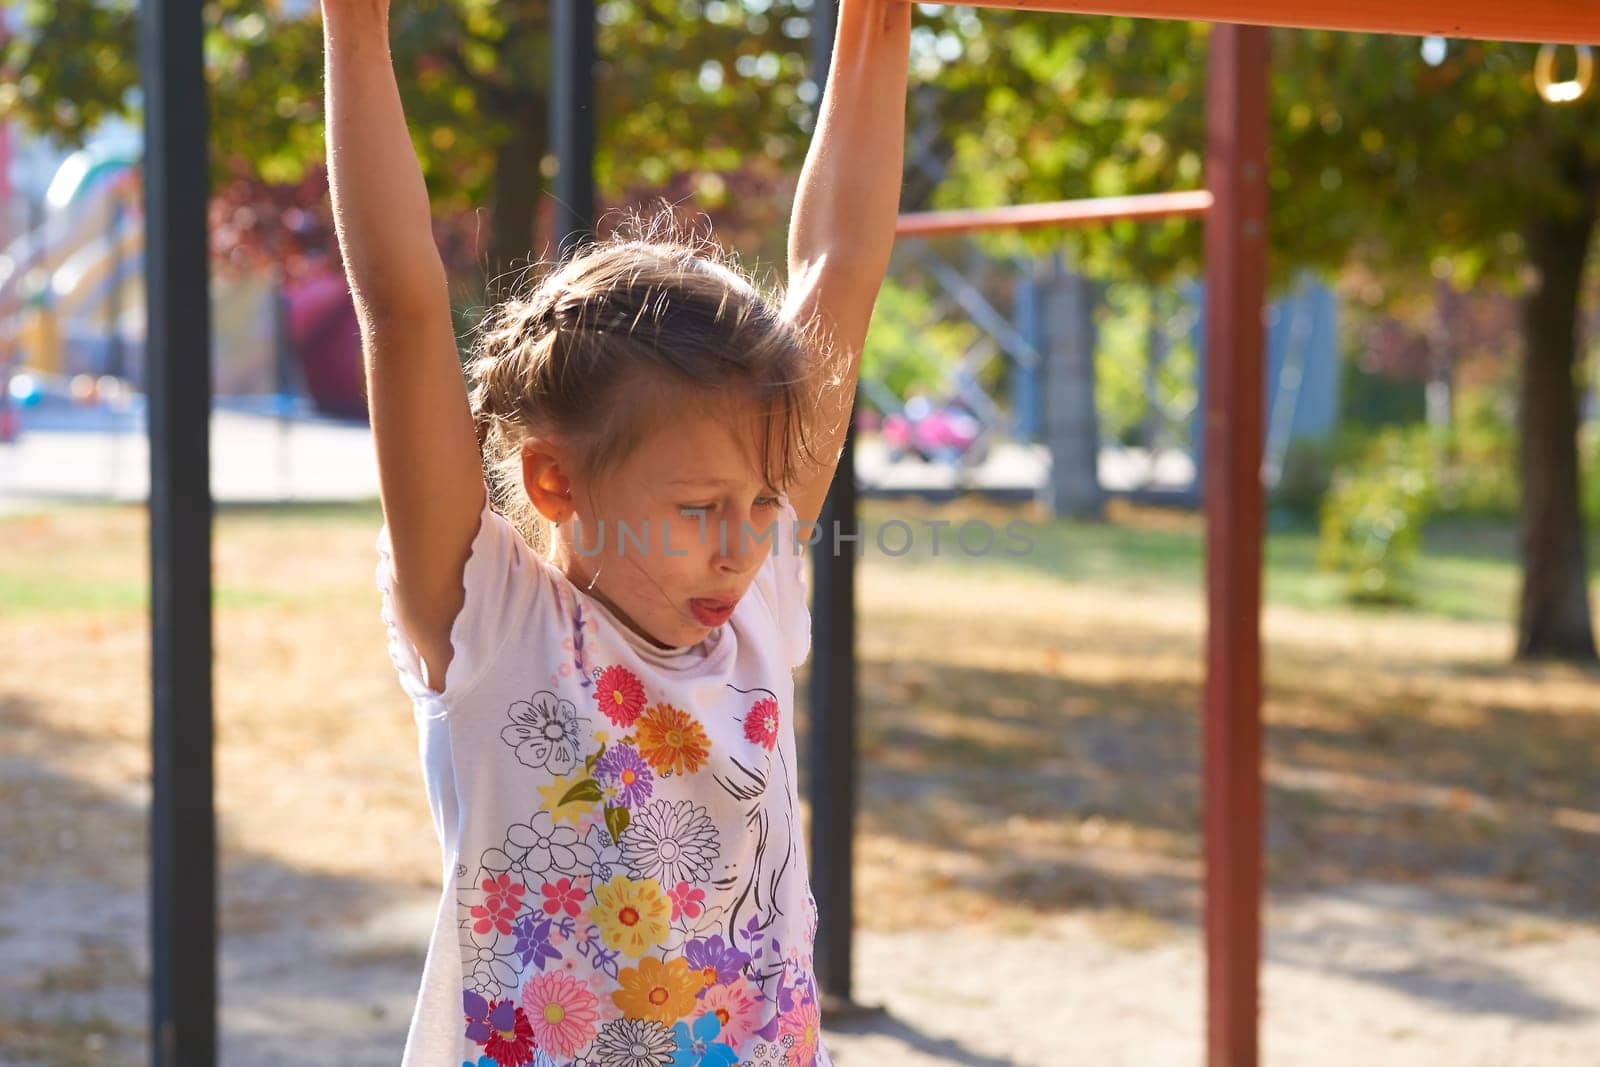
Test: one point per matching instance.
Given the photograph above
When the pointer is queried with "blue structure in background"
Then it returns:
(1302, 387)
(1027, 380)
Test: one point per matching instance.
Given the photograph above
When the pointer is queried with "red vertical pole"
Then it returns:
(1236, 261)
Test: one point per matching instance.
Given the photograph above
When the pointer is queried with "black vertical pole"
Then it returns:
(183, 829)
(833, 675)
(572, 119)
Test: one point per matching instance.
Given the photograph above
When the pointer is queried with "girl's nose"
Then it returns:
(738, 542)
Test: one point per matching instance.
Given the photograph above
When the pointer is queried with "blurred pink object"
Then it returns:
(943, 434)
(326, 336)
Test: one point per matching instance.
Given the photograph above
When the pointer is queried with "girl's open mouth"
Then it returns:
(712, 612)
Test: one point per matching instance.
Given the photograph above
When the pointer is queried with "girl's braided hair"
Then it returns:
(630, 333)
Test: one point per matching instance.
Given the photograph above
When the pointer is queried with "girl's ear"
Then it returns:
(547, 486)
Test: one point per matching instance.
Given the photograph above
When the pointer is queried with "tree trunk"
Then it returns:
(1071, 424)
(1441, 388)
(1554, 621)
(517, 184)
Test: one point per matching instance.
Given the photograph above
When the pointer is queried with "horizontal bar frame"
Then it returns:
(1194, 202)
(1538, 21)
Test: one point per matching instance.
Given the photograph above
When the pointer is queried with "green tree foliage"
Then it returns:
(911, 350)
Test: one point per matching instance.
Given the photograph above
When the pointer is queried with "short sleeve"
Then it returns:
(501, 580)
(781, 582)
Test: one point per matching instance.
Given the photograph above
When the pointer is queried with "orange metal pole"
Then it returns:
(1054, 213)
(1556, 21)
(1236, 271)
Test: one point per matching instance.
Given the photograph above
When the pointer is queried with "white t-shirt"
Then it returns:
(625, 877)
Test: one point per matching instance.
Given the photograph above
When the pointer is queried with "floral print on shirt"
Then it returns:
(605, 930)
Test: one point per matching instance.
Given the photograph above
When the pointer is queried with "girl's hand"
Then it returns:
(370, 7)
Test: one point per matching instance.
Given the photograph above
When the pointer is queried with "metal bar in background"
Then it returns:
(1537, 21)
(1236, 272)
(572, 119)
(1054, 213)
(183, 853)
(833, 694)
(977, 306)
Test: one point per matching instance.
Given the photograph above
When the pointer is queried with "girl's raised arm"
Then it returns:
(430, 475)
(842, 229)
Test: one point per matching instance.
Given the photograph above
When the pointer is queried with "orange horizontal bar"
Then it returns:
(1055, 213)
(1556, 21)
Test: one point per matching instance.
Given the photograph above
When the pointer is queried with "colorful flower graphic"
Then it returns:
(563, 896)
(804, 1026)
(501, 902)
(622, 770)
(619, 695)
(687, 901)
(717, 959)
(533, 942)
(736, 1007)
(563, 1012)
(501, 1028)
(672, 741)
(664, 992)
(550, 799)
(761, 723)
(633, 916)
(698, 1045)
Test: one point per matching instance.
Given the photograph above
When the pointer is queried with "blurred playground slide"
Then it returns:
(72, 305)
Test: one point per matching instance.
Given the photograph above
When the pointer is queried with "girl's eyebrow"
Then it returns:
(705, 481)
(713, 481)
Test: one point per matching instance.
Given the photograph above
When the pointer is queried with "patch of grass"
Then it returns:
(76, 558)
(57, 594)
(1468, 570)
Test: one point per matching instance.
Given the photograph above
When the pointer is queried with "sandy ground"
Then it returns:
(1372, 974)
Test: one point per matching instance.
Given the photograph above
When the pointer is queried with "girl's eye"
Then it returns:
(761, 502)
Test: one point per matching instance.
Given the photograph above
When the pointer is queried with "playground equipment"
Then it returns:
(72, 302)
(83, 257)
(1553, 21)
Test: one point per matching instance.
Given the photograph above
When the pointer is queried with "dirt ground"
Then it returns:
(1029, 855)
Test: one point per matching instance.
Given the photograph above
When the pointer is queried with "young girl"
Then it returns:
(592, 589)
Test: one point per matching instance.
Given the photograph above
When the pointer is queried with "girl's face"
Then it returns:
(672, 538)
